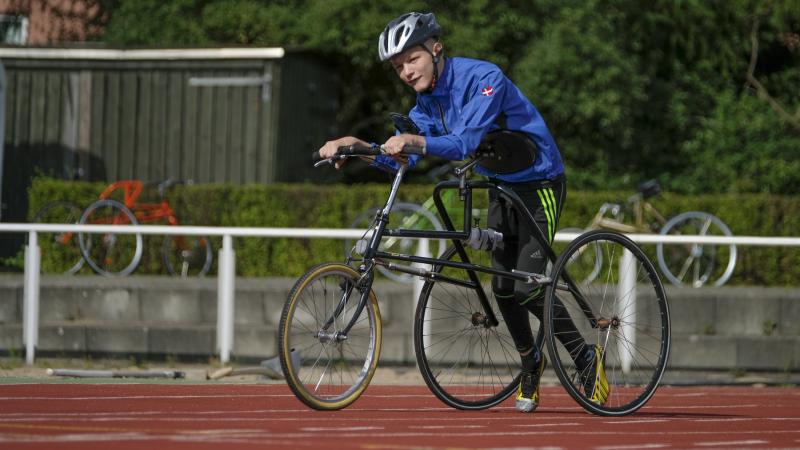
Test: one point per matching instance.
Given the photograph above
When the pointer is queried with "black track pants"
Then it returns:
(521, 250)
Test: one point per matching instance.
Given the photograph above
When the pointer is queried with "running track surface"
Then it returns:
(249, 416)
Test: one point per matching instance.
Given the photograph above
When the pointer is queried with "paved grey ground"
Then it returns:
(15, 370)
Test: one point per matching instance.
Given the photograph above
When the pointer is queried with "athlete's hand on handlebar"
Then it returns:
(330, 148)
(398, 143)
(338, 150)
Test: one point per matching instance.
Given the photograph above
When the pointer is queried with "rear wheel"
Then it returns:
(187, 255)
(467, 362)
(696, 264)
(325, 369)
(110, 253)
(61, 252)
(623, 312)
(591, 260)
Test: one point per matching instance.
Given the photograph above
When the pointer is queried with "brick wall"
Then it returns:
(53, 21)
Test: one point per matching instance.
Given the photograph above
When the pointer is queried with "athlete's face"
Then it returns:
(415, 67)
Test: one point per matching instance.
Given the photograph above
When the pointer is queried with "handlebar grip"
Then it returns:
(355, 150)
(414, 150)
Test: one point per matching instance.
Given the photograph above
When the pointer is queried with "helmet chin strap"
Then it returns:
(436, 58)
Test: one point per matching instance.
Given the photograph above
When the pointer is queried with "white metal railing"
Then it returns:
(227, 261)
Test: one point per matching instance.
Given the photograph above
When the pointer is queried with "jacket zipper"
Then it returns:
(441, 113)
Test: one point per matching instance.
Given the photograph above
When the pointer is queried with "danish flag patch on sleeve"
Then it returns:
(487, 91)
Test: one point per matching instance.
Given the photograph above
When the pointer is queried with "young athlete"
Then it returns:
(460, 101)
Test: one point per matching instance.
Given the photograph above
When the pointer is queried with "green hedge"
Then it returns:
(335, 206)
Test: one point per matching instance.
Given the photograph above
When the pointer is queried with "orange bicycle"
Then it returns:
(119, 254)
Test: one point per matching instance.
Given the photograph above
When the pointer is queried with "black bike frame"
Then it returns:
(465, 191)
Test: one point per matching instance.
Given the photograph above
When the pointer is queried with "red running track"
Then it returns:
(239, 416)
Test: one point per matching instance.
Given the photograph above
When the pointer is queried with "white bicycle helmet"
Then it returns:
(405, 32)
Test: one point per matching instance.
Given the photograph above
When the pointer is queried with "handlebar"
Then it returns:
(165, 185)
(348, 151)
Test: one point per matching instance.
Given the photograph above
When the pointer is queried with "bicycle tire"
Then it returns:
(60, 251)
(194, 260)
(588, 255)
(633, 327)
(323, 372)
(403, 215)
(700, 261)
(466, 364)
(101, 251)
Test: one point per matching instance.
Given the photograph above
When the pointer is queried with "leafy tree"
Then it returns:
(699, 93)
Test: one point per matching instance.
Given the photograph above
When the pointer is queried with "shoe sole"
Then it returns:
(525, 406)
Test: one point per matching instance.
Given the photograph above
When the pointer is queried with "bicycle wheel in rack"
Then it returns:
(623, 313)
(696, 264)
(110, 254)
(324, 369)
(466, 362)
(60, 251)
(404, 215)
(187, 255)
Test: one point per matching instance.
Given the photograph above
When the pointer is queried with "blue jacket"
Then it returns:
(470, 98)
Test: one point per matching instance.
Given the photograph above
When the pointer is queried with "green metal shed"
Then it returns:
(216, 115)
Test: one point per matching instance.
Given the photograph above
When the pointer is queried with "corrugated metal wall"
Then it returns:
(144, 120)
(210, 120)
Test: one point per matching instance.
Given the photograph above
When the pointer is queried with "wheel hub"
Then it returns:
(612, 323)
(478, 319)
(326, 336)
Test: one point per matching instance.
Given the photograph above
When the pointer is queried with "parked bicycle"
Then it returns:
(409, 216)
(330, 328)
(120, 254)
(693, 265)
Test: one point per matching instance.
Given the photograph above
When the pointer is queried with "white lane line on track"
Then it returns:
(443, 427)
(174, 416)
(754, 405)
(636, 421)
(728, 419)
(233, 415)
(259, 436)
(146, 397)
(731, 444)
(316, 429)
(740, 393)
(303, 414)
(544, 425)
(625, 447)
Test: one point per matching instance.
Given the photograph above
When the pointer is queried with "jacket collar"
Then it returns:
(444, 82)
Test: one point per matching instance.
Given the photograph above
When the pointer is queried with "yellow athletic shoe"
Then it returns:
(528, 389)
(594, 378)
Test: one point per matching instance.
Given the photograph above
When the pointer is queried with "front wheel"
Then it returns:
(110, 253)
(326, 369)
(60, 251)
(608, 339)
(696, 264)
(467, 361)
(187, 255)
